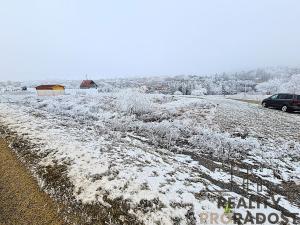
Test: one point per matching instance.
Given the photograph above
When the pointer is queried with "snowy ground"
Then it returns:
(168, 158)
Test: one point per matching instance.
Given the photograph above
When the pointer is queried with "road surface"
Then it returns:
(21, 200)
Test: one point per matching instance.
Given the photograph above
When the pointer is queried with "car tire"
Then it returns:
(284, 108)
(264, 105)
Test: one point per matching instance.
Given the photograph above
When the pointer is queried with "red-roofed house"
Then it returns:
(87, 84)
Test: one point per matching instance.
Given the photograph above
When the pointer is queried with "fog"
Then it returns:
(61, 39)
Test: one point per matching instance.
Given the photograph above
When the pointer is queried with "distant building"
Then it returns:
(50, 90)
(87, 84)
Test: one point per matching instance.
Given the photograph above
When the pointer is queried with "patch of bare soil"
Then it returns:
(21, 200)
(247, 100)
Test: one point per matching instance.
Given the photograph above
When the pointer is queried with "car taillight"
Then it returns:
(296, 102)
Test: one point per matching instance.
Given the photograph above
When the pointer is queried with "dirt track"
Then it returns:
(21, 201)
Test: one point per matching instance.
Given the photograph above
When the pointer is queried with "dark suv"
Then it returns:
(285, 102)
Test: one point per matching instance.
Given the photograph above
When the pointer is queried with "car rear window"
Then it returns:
(298, 97)
(285, 96)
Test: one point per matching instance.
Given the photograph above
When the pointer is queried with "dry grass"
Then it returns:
(247, 100)
(21, 200)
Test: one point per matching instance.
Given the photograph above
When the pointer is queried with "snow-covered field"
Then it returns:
(166, 159)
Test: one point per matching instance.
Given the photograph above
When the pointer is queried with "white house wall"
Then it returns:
(50, 92)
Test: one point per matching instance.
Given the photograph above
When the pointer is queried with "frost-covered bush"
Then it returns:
(222, 145)
(199, 92)
(162, 99)
(178, 93)
(170, 122)
(134, 102)
(164, 132)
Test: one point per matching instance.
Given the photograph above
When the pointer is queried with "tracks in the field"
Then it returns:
(290, 191)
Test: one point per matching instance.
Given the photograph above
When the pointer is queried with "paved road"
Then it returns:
(21, 201)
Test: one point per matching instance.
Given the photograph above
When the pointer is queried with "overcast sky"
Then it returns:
(68, 39)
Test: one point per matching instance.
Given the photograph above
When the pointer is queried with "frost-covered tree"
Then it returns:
(288, 84)
(270, 87)
(292, 85)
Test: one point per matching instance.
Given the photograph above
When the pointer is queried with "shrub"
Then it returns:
(134, 102)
